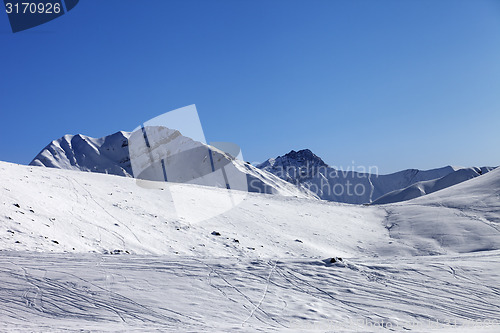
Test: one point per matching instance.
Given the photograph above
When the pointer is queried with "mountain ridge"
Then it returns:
(187, 160)
(430, 186)
(108, 154)
(300, 172)
(350, 186)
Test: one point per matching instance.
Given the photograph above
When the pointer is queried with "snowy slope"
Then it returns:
(60, 293)
(426, 187)
(102, 213)
(305, 168)
(459, 219)
(262, 265)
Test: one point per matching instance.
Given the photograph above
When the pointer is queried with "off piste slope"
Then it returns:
(461, 218)
(185, 160)
(430, 186)
(74, 293)
(305, 168)
(261, 266)
(44, 209)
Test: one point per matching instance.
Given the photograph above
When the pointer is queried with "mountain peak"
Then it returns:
(108, 154)
(292, 165)
(304, 155)
(301, 158)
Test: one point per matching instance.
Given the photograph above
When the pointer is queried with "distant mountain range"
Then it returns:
(298, 173)
(430, 186)
(305, 168)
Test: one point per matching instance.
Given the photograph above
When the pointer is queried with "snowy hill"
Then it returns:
(463, 218)
(262, 265)
(307, 169)
(96, 212)
(426, 187)
(91, 212)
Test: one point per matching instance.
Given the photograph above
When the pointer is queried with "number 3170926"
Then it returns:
(33, 8)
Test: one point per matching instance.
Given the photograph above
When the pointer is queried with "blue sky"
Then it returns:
(393, 84)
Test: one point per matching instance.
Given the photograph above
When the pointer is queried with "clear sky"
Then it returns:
(394, 84)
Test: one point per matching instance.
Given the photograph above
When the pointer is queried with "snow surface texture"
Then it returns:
(47, 293)
(263, 265)
(307, 169)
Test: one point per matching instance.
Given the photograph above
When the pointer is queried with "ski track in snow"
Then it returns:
(160, 293)
(265, 270)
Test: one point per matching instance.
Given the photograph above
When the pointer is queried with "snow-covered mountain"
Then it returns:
(108, 154)
(426, 187)
(299, 173)
(188, 161)
(305, 168)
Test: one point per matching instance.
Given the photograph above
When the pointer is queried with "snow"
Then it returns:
(462, 218)
(89, 251)
(108, 154)
(430, 186)
(96, 212)
(359, 186)
(43, 292)
(183, 160)
(186, 160)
